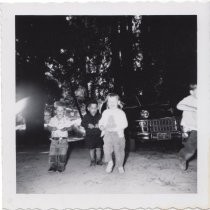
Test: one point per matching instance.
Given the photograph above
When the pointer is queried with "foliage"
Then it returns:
(87, 63)
(95, 53)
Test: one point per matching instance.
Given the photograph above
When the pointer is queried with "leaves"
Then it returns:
(76, 50)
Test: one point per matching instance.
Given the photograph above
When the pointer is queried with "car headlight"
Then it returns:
(144, 114)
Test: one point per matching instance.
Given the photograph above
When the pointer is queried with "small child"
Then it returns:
(112, 124)
(189, 122)
(59, 126)
(93, 133)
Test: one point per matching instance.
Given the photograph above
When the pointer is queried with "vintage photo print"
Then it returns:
(105, 103)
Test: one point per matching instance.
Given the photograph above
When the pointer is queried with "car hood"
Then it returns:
(155, 111)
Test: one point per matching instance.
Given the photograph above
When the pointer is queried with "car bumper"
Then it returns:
(156, 136)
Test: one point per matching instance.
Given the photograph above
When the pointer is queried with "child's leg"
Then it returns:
(119, 151)
(63, 148)
(108, 147)
(53, 157)
(92, 154)
(92, 157)
(108, 150)
(189, 149)
(98, 156)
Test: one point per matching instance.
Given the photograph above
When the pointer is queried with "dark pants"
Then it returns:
(190, 147)
(58, 153)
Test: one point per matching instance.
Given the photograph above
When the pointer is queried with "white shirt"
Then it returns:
(114, 120)
(189, 116)
(64, 122)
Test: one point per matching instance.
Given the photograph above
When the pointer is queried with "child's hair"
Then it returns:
(92, 102)
(63, 107)
(192, 86)
(59, 104)
(110, 95)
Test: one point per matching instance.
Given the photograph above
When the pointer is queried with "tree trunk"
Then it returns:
(126, 50)
(75, 99)
(116, 62)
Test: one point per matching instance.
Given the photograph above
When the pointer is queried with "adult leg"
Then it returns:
(188, 151)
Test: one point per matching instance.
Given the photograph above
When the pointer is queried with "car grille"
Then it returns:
(168, 124)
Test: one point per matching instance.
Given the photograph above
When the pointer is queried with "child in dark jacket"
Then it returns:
(93, 133)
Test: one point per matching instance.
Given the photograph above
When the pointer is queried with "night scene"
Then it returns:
(106, 104)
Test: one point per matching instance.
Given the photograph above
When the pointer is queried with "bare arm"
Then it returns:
(101, 123)
(123, 121)
(66, 129)
(50, 128)
(187, 104)
(186, 107)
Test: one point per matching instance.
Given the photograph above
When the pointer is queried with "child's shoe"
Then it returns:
(60, 170)
(92, 163)
(99, 162)
(109, 167)
(121, 170)
(183, 164)
(52, 169)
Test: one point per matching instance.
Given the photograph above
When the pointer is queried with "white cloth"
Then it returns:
(113, 120)
(189, 116)
(64, 122)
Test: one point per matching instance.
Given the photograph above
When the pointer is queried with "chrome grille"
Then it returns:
(158, 125)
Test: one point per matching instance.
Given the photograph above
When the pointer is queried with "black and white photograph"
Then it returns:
(107, 102)
(105, 105)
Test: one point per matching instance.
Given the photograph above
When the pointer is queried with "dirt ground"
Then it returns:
(147, 171)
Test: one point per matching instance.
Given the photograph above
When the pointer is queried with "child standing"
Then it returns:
(59, 126)
(93, 133)
(189, 122)
(112, 124)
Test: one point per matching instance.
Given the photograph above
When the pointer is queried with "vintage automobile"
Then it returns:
(151, 122)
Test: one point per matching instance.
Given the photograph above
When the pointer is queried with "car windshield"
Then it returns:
(132, 101)
(137, 101)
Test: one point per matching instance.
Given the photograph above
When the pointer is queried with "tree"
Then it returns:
(79, 51)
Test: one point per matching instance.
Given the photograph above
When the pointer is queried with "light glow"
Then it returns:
(20, 105)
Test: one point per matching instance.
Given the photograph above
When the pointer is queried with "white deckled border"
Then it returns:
(11, 200)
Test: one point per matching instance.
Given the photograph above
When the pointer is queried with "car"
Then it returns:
(151, 122)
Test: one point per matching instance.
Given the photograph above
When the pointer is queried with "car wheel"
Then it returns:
(132, 144)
